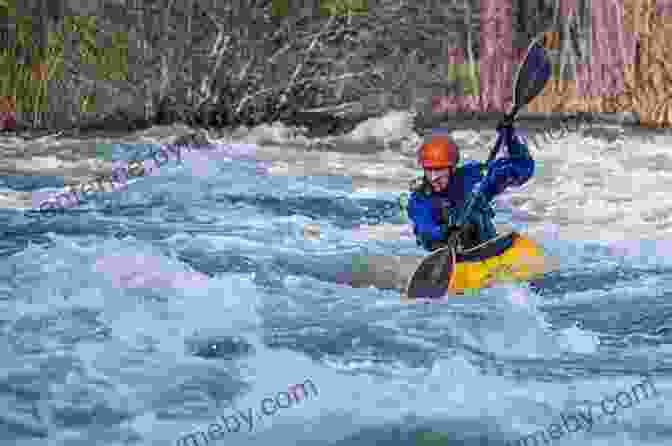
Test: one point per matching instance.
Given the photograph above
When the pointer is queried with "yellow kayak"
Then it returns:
(509, 257)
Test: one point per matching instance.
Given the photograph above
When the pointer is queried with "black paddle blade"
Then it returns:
(532, 74)
(433, 275)
(530, 80)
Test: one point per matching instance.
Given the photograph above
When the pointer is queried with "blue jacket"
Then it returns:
(433, 214)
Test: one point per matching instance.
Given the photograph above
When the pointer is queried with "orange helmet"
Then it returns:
(438, 153)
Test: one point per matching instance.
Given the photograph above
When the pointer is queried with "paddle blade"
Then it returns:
(530, 79)
(382, 272)
(532, 74)
(432, 277)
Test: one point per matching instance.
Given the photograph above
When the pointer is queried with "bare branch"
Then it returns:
(299, 67)
(334, 109)
(243, 73)
(219, 48)
(295, 40)
(323, 79)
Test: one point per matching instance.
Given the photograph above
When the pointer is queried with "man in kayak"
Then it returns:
(439, 197)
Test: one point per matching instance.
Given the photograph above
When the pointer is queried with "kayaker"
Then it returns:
(438, 198)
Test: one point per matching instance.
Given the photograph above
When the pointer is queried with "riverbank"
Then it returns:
(378, 158)
(534, 121)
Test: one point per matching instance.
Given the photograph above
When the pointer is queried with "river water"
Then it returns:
(179, 304)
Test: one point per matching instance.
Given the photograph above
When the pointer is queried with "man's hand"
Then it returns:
(450, 230)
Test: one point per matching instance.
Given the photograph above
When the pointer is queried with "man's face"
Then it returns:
(440, 178)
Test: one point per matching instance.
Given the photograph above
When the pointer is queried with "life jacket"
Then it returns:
(479, 227)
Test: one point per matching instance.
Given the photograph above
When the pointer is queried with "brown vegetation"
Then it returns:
(211, 63)
(637, 59)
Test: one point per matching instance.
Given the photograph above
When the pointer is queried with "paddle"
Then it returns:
(432, 277)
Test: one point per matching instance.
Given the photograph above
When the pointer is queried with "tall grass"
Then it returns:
(471, 85)
(463, 73)
(280, 8)
(30, 84)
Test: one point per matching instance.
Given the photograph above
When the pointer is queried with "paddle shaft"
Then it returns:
(472, 199)
(519, 101)
(509, 118)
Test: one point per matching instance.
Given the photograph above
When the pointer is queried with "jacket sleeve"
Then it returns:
(514, 169)
(420, 212)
